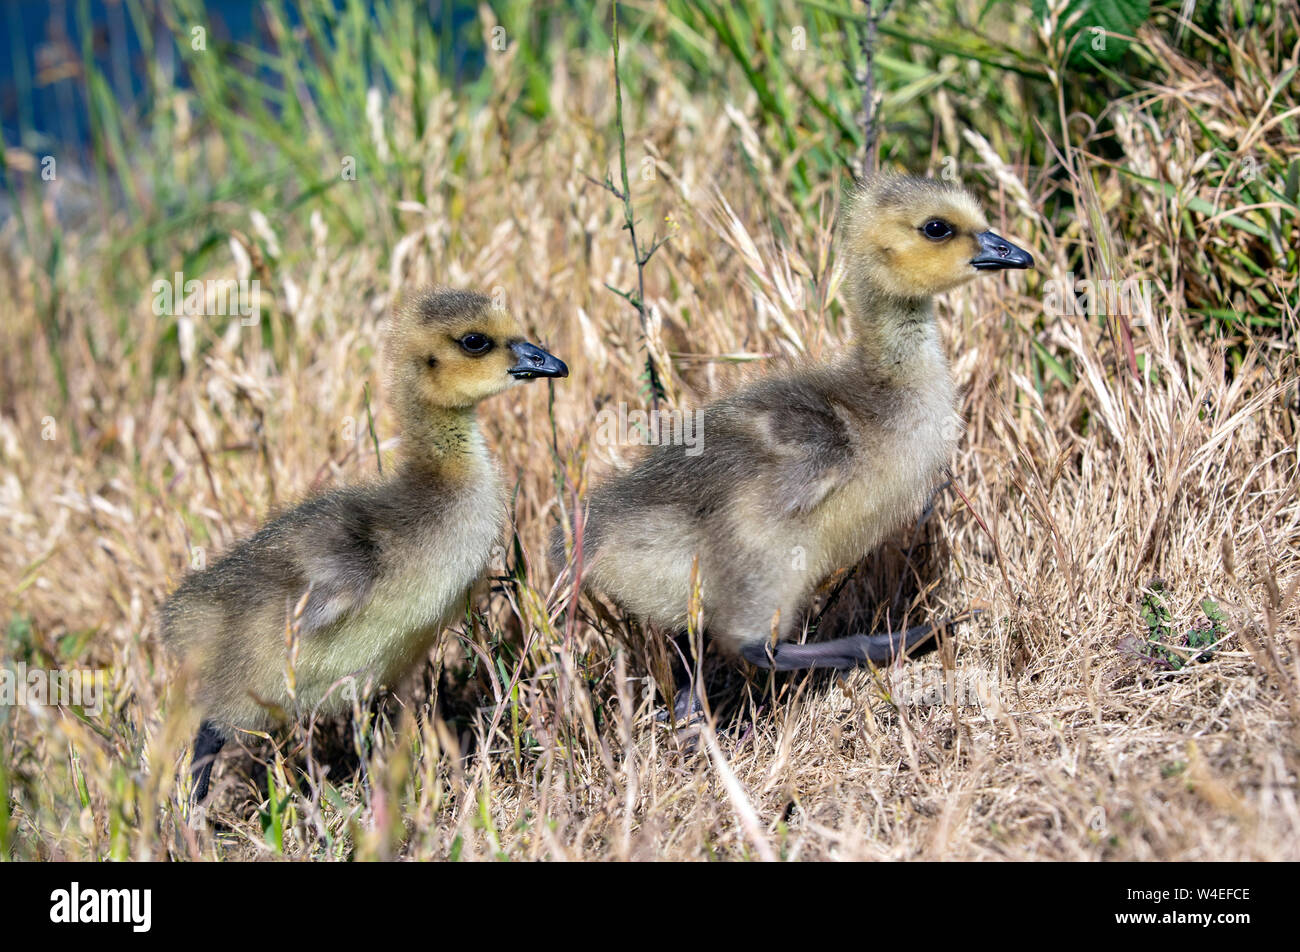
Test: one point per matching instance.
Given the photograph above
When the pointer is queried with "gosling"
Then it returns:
(807, 471)
(383, 567)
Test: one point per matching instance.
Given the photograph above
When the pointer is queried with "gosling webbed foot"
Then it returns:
(207, 745)
(852, 651)
(686, 706)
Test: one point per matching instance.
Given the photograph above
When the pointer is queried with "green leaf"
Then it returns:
(1213, 611)
(1091, 27)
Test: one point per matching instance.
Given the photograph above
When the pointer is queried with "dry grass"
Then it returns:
(542, 743)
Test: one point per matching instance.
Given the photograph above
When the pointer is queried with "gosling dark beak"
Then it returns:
(532, 362)
(997, 254)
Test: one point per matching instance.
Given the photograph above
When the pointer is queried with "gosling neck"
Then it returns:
(895, 337)
(441, 442)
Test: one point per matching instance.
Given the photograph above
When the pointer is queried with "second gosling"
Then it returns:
(384, 567)
(803, 472)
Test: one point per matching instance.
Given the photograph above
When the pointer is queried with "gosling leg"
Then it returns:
(207, 745)
(853, 651)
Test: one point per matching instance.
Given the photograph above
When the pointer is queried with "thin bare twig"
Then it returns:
(640, 256)
(868, 160)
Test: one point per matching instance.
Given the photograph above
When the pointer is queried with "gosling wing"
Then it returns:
(807, 450)
(339, 555)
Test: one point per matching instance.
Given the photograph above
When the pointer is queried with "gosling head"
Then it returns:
(452, 349)
(915, 238)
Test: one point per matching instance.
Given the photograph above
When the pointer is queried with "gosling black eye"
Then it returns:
(475, 344)
(431, 361)
(936, 229)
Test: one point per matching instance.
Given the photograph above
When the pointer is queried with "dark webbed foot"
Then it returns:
(853, 651)
(686, 706)
(207, 745)
(687, 702)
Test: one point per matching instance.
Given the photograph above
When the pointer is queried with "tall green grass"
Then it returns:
(270, 127)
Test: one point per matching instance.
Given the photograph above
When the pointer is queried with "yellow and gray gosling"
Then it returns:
(385, 566)
(806, 471)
